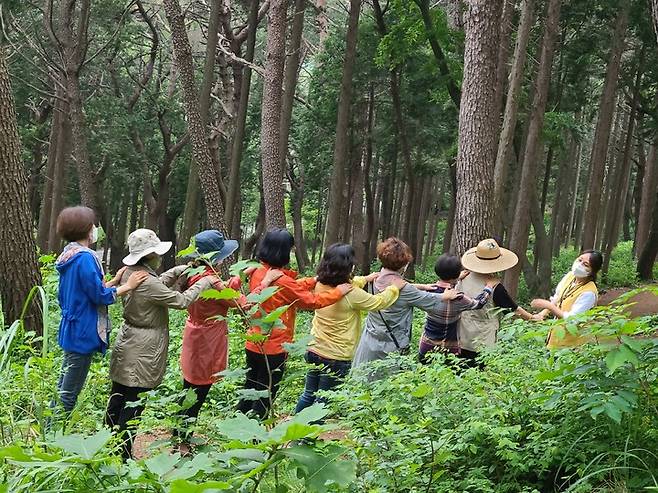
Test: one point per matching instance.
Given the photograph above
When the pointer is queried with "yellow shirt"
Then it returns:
(567, 293)
(337, 328)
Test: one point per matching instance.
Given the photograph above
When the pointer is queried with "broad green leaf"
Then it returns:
(83, 446)
(252, 394)
(613, 412)
(322, 468)
(275, 314)
(264, 295)
(189, 250)
(232, 374)
(619, 356)
(422, 390)
(242, 428)
(311, 414)
(224, 294)
(238, 267)
(162, 463)
(193, 271)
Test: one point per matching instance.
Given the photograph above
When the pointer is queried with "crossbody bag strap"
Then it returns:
(388, 328)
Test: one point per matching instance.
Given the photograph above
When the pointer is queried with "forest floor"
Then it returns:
(643, 304)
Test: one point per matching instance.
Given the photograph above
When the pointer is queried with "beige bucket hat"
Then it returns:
(143, 242)
(488, 257)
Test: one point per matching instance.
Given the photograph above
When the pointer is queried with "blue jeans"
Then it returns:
(75, 368)
(327, 374)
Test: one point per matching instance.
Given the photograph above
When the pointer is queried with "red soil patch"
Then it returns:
(643, 303)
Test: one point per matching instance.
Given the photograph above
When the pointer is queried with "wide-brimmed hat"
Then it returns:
(143, 242)
(213, 241)
(488, 257)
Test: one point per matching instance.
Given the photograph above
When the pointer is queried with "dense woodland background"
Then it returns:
(441, 122)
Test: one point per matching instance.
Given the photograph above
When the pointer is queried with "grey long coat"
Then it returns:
(139, 356)
(376, 341)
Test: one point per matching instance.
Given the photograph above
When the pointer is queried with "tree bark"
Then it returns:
(233, 207)
(648, 254)
(196, 127)
(275, 57)
(342, 143)
(450, 219)
(477, 125)
(191, 212)
(19, 269)
(521, 226)
(505, 143)
(502, 68)
(602, 133)
(620, 192)
(647, 204)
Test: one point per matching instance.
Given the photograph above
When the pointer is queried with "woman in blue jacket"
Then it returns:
(83, 297)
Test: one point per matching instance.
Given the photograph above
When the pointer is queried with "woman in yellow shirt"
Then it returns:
(337, 328)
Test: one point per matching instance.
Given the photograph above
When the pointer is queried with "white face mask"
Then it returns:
(93, 237)
(579, 270)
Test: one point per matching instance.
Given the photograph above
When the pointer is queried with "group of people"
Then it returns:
(458, 305)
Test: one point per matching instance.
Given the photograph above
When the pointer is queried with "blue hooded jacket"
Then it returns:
(83, 298)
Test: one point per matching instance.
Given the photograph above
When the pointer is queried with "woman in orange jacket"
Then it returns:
(266, 360)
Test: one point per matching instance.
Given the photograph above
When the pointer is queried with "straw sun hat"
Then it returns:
(488, 257)
(143, 242)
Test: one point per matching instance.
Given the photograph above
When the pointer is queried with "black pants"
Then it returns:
(201, 392)
(125, 418)
(469, 359)
(259, 378)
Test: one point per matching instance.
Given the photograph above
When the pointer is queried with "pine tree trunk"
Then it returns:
(59, 180)
(191, 211)
(647, 204)
(560, 209)
(19, 269)
(620, 193)
(370, 187)
(450, 220)
(520, 228)
(45, 212)
(648, 254)
(477, 125)
(233, 200)
(502, 68)
(341, 146)
(602, 133)
(505, 144)
(196, 127)
(275, 57)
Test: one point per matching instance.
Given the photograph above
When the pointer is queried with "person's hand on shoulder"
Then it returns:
(492, 282)
(464, 274)
(450, 294)
(538, 317)
(136, 279)
(271, 276)
(372, 277)
(345, 288)
(117, 278)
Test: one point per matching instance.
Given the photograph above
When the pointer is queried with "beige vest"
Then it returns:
(477, 328)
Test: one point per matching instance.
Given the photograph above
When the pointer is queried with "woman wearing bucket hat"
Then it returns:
(478, 328)
(139, 357)
(204, 351)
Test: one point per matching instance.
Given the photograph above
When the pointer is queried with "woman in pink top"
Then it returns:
(204, 351)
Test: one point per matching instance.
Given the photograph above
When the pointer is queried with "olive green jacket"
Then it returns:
(139, 356)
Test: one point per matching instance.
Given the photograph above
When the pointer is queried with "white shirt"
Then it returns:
(584, 302)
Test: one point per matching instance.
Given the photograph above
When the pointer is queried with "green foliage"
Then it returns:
(530, 421)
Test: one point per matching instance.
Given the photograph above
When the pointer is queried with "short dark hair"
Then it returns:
(448, 267)
(274, 247)
(595, 262)
(394, 253)
(337, 264)
(74, 223)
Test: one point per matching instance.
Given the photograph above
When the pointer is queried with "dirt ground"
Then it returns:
(643, 303)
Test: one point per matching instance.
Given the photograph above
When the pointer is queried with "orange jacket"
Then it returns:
(291, 290)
